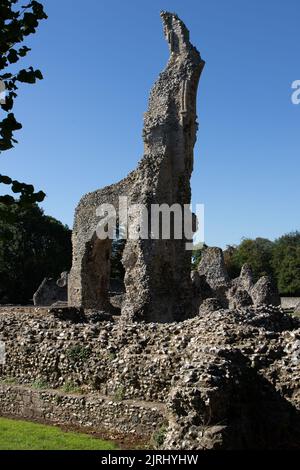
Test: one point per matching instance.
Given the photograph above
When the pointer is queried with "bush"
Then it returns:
(120, 393)
(71, 387)
(78, 353)
(32, 246)
(286, 263)
(279, 259)
(40, 384)
(159, 436)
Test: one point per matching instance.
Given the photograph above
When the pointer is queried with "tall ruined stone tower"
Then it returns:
(157, 272)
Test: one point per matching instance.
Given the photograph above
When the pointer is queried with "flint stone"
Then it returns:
(212, 266)
(200, 286)
(297, 309)
(265, 292)
(238, 298)
(157, 271)
(209, 306)
(49, 293)
(63, 280)
(245, 280)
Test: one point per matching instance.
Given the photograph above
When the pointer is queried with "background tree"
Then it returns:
(257, 253)
(32, 246)
(196, 255)
(286, 263)
(117, 271)
(17, 22)
(231, 262)
(280, 259)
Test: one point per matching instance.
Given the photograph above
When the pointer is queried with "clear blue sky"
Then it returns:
(83, 123)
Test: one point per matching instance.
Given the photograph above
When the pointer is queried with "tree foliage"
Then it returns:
(280, 259)
(17, 22)
(257, 253)
(117, 268)
(232, 265)
(32, 246)
(196, 255)
(286, 263)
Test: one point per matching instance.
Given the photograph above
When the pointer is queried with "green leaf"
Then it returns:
(38, 74)
(7, 200)
(10, 124)
(38, 10)
(26, 76)
(12, 56)
(17, 187)
(16, 22)
(3, 62)
(23, 51)
(40, 196)
(5, 179)
(9, 102)
(5, 145)
(6, 76)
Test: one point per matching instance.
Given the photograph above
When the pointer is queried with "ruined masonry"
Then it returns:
(226, 378)
(211, 282)
(162, 176)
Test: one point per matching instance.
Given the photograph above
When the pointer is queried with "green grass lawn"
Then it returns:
(21, 435)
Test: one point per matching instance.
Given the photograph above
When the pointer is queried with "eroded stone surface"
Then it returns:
(212, 266)
(225, 376)
(265, 292)
(87, 411)
(210, 305)
(245, 280)
(157, 272)
(226, 379)
(51, 291)
(211, 281)
(238, 298)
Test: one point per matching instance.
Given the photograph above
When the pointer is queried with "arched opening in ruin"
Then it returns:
(96, 273)
(117, 270)
(103, 273)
